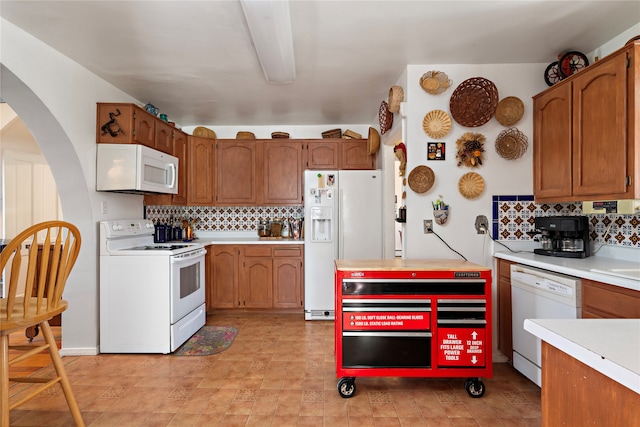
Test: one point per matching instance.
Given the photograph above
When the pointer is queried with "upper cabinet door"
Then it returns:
(355, 155)
(323, 154)
(552, 147)
(599, 129)
(282, 172)
(124, 124)
(237, 169)
(164, 137)
(201, 153)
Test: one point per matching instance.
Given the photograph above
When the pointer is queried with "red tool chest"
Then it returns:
(412, 318)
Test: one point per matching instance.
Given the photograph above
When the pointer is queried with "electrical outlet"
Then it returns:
(428, 226)
(482, 224)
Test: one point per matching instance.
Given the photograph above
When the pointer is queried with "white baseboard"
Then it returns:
(88, 351)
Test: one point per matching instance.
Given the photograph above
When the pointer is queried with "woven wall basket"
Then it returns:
(474, 102)
(385, 117)
(509, 111)
(511, 144)
(396, 96)
(471, 185)
(421, 178)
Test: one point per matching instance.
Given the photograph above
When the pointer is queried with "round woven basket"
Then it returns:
(436, 124)
(435, 82)
(509, 111)
(421, 178)
(396, 96)
(471, 185)
(385, 117)
(373, 141)
(474, 102)
(245, 135)
(204, 132)
(511, 144)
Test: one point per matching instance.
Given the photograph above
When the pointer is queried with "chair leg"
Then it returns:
(4, 380)
(64, 380)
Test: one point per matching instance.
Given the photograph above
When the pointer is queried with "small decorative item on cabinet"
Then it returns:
(332, 133)
(151, 109)
(263, 228)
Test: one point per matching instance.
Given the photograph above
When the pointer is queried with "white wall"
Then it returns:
(501, 176)
(56, 98)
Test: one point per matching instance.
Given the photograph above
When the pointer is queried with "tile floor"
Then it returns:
(279, 371)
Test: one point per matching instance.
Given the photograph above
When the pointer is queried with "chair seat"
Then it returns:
(18, 321)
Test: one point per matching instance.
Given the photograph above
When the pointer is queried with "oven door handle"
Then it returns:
(185, 257)
(388, 334)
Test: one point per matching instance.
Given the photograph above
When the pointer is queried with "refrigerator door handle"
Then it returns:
(339, 225)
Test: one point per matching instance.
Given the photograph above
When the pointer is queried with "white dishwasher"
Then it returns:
(538, 294)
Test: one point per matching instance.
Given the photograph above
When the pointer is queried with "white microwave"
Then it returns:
(135, 168)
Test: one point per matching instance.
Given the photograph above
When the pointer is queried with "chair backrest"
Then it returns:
(51, 248)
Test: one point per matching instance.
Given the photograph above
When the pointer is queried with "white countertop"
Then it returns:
(241, 238)
(610, 346)
(605, 269)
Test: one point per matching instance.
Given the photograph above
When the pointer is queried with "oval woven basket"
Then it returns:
(385, 117)
(276, 135)
(332, 133)
(511, 144)
(435, 82)
(396, 96)
(474, 102)
(509, 111)
(471, 185)
(421, 178)
(204, 132)
(436, 124)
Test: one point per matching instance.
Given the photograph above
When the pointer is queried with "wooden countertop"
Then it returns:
(398, 264)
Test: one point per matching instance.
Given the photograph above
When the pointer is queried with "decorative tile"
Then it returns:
(513, 218)
(224, 218)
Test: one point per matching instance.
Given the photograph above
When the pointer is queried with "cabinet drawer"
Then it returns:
(287, 252)
(606, 301)
(257, 250)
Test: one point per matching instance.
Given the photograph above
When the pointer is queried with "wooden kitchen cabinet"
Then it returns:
(201, 177)
(283, 169)
(287, 276)
(238, 166)
(323, 154)
(256, 277)
(601, 300)
(119, 123)
(354, 154)
(587, 135)
(259, 276)
(505, 338)
(164, 137)
(223, 278)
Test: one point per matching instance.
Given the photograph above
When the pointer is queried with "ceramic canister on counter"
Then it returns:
(295, 228)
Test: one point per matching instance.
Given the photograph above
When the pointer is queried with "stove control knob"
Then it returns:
(115, 227)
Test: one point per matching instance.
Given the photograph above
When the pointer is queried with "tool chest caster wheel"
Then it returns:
(347, 387)
(475, 387)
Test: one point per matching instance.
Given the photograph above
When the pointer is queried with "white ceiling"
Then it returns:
(194, 60)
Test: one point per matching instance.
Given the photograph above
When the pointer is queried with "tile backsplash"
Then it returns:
(513, 217)
(223, 218)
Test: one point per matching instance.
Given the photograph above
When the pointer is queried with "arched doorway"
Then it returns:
(80, 321)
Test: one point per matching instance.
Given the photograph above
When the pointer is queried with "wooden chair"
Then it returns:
(44, 277)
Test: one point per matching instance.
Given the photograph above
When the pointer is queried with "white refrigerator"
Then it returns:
(342, 220)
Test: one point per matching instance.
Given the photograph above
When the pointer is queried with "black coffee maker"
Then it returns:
(563, 236)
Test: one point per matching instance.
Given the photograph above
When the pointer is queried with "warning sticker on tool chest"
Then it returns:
(386, 320)
(461, 347)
